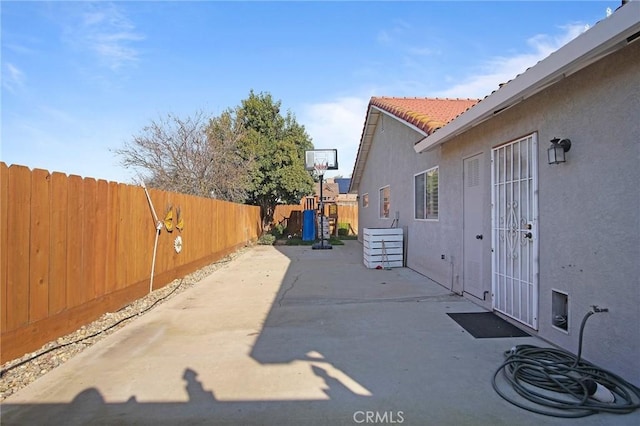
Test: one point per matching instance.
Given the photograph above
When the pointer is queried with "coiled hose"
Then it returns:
(561, 382)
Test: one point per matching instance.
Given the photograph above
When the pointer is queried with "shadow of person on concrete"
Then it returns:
(195, 389)
(90, 408)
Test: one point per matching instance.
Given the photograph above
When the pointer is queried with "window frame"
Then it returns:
(380, 202)
(427, 197)
(365, 200)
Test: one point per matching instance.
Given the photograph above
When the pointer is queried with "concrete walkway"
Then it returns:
(289, 336)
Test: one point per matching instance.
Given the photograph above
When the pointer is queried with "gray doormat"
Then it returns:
(486, 325)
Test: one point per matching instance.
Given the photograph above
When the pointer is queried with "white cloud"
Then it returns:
(401, 26)
(420, 51)
(384, 37)
(337, 124)
(108, 33)
(396, 35)
(498, 70)
(13, 78)
(57, 115)
(19, 48)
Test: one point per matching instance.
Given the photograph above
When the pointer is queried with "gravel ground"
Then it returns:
(20, 372)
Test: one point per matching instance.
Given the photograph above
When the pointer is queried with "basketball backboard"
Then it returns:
(321, 156)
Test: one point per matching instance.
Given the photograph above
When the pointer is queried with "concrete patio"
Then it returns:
(289, 336)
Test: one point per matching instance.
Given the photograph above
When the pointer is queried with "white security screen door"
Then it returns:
(514, 217)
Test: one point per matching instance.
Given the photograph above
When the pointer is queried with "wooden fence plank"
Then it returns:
(198, 237)
(223, 229)
(134, 219)
(140, 246)
(205, 218)
(210, 238)
(123, 259)
(87, 287)
(139, 213)
(194, 235)
(215, 241)
(18, 236)
(216, 211)
(39, 246)
(100, 238)
(4, 242)
(112, 237)
(75, 218)
(230, 230)
(58, 244)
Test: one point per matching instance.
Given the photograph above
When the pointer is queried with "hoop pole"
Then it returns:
(320, 168)
(321, 212)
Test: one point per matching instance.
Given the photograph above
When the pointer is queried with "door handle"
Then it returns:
(479, 237)
(528, 235)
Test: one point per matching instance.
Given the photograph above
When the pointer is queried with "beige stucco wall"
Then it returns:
(589, 207)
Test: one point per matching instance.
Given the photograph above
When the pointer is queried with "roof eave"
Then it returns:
(605, 37)
(371, 123)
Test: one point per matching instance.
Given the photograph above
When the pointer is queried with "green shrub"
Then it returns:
(278, 230)
(267, 239)
(343, 229)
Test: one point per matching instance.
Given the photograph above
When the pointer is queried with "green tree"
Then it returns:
(276, 144)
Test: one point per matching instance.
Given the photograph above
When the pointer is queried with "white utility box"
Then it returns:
(383, 247)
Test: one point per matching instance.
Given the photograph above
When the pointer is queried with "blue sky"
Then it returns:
(81, 78)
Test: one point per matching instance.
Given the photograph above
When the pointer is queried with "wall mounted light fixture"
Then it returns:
(557, 149)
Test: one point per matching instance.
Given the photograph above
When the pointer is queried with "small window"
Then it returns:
(425, 187)
(385, 201)
(365, 200)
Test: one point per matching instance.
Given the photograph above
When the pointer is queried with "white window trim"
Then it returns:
(380, 202)
(365, 195)
(425, 172)
(414, 197)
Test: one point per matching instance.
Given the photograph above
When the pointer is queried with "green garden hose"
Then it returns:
(562, 383)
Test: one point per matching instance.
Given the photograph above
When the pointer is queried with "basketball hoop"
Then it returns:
(320, 168)
(319, 161)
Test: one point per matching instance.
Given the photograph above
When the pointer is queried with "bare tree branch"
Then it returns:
(197, 155)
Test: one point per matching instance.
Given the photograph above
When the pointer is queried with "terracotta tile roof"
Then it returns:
(427, 114)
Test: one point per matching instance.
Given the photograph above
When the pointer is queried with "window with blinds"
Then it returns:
(385, 202)
(425, 186)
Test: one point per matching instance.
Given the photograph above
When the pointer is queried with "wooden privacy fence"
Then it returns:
(72, 249)
(347, 214)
